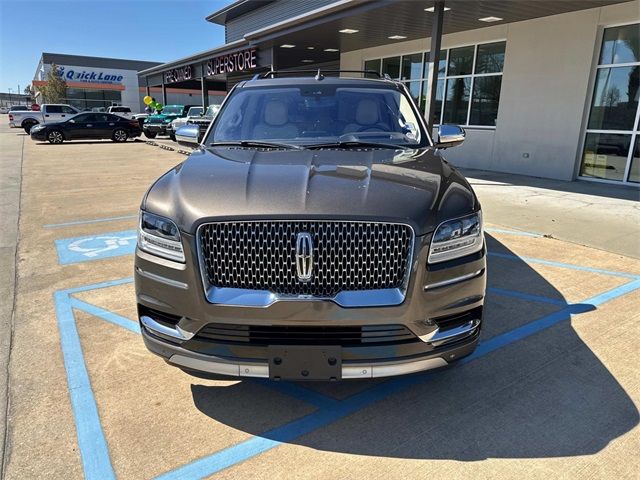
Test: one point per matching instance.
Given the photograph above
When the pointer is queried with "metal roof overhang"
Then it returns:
(376, 20)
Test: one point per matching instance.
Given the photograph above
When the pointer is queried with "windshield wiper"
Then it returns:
(255, 143)
(356, 144)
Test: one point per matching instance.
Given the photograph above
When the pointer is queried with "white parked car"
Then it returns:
(194, 112)
(48, 113)
(4, 109)
(121, 111)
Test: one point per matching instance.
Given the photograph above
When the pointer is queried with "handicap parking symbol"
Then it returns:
(96, 247)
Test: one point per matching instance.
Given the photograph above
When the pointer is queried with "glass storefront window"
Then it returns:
(605, 155)
(611, 108)
(479, 87)
(612, 129)
(456, 103)
(411, 66)
(460, 61)
(490, 58)
(391, 66)
(442, 64)
(373, 65)
(485, 98)
(620, 45)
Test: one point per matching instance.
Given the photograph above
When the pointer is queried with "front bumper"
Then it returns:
(452, 290)
(157, 128)
(39, 136)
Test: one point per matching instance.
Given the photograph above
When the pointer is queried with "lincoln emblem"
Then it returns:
(304, 256)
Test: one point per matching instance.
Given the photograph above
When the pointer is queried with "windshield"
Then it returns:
(195, 111)
(172, 110)
(318, 114)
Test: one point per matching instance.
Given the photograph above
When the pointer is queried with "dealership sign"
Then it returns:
(178, 74)
(88, 76)
(233, 62)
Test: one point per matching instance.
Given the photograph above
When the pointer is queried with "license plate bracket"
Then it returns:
(300, 363)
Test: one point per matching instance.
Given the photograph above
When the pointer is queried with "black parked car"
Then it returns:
(87, 126)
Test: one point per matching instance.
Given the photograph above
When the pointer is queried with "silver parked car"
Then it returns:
(194, 112)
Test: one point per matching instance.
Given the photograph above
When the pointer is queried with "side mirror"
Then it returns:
(187, 136)
(449, 136)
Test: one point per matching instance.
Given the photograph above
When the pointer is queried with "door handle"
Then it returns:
(89, 124)
(63, 115)
(46, 114)
(111, 124)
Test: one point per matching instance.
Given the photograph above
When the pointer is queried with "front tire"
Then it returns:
(172, 137)
(120, 136)
(150, 134)
(28, 125)
(55, 137)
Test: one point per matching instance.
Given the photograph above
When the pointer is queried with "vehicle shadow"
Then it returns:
(547, 395)
(85, 142)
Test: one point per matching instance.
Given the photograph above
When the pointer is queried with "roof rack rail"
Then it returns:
(318, 73)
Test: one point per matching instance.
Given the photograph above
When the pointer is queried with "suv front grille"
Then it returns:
(347, 256)
(290, 335)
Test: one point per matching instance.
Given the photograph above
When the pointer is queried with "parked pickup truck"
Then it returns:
(204, 121)
(194, 112)
(48, 113)
(157, 124)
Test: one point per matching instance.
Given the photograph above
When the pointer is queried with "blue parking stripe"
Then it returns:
(509, 256)
(106, 315)
(526, 296)
(96, 286)
(94, 452)
(85, 222)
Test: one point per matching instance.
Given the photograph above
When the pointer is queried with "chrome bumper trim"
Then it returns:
(240, 297)
(437, 337)
(176, 332)
(261, 370)
(451, 281)
(161, 279)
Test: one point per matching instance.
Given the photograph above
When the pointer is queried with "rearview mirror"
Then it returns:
(449, 136)
(187, 136)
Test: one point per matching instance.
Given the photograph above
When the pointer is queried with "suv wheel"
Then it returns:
(55, 136)
(28, 125)
(150, 134)
(120, 135)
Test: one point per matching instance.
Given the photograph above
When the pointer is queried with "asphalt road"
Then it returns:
(552, 391)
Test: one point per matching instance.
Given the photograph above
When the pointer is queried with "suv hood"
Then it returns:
(222, 183)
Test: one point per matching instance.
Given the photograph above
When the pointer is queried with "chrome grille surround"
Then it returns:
(356, 263)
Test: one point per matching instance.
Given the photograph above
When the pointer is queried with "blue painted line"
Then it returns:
(95, 247)
(513, 232)
(96, 286)
(526, 296)
(106, 315)
(571, 266)
(94, 452)
(85, 222)
(239, 453)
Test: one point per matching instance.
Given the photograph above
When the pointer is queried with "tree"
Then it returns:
(55, 90)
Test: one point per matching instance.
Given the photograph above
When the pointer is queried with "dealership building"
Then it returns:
(546, 88)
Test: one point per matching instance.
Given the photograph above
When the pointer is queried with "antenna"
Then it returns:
(319, 75)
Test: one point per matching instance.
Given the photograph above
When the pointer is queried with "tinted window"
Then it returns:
(605, 155)
(121, 109)
(484, 103)
(83, 118)
(620, 45)
(68, 110)
(54, 109)
(391, 66)
(456, 101)
(411, 66)
(113, 118)
(615, 99)
(460, 61)
(372, 65)
(490, 58)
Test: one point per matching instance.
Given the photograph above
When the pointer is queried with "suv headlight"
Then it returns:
(457, 238)
(160, 236)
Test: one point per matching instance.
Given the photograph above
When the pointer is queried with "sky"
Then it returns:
(153, 30)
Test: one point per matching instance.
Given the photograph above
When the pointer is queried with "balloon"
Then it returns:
(159, 106)
(147, 100)
(153, 105)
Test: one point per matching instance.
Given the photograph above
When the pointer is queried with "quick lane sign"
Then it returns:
(233, 62)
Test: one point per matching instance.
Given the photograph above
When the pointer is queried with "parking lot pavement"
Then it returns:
(552, 390)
